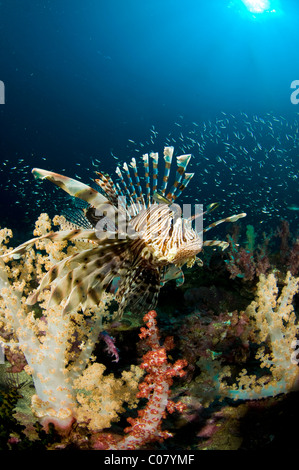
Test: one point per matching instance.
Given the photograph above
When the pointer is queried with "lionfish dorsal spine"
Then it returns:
(155, 157)
(139, 200)
(133, 194)
(126, 193)
(125, 187)
(183, 185)
(168, 154)
(133, 165)
(182, 163)
(147, 179)
(134, 204)
(107, 185)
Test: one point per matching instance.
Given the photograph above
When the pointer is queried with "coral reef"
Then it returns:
(226, 351)
(70, 387)
(248, 261)
(276, 330)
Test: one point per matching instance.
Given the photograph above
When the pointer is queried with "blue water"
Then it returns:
(83, 79)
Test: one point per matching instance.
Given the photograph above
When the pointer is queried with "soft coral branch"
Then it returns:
(155, 387)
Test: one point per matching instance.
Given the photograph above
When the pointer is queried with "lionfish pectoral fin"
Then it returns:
(82, 278)
(75, 234)
(71, 186)
(102, 211)
(139, 290)
(21, 249)
(232, 218)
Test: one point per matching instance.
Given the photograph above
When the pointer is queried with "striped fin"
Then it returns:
(147, 179)
(155, 157)
(183, 185)
(132, 194)
(73, 187)
(119, 173)
(54, 273)
(122, 196)
(232, 218)
(211, 207)
(126, 189)
(106, 184)
(100, 206)
(137, 179)
(131, 185)
(76, 218)
(182, 162)
(76, 234)
(126, 193)
(168, 153)
(119, 190)
(223, 245)
(92, 277)
(82, 278)
(139, 290)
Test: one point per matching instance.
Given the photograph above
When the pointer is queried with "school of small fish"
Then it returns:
(246, 162)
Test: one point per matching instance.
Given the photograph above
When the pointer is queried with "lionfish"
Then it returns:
(139, 237)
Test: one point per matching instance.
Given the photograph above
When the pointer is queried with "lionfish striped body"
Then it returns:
(140, 238)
